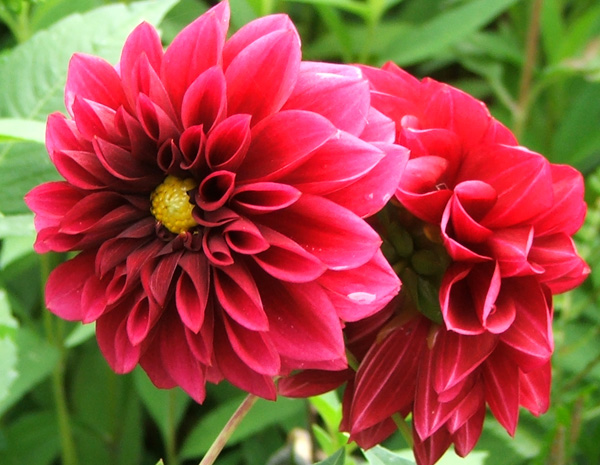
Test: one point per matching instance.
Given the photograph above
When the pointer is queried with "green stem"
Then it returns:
(219, 443)
(54, 333)
(531, 50)
(404, 429)
(171, 444)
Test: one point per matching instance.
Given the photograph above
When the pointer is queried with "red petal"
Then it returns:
(239, 296)
(386, 378)
(204, 102)
(283, 141)
(94, 79)
(111, 332)
(309, 383)
(302, 322)
(254, 348)
(535, 389)
(334, 235)
(467, 436)
(338, 92)
(457, 356)
(428, 451)
(262, 76)
(286, 260)
(195, 49)
(242, 236)
(368, 194)
(191, 292)
(362, 291)
(511, 248)
(501, 377)
(263, 197)
(142, 317)
(228, 143)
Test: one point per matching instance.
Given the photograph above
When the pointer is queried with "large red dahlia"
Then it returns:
(215, 191)
(480, 234)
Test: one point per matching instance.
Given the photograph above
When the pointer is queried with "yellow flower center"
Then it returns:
(171, 204)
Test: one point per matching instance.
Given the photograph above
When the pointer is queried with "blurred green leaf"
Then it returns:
(351, 6)
(336, 459)
(425, 41)
(31, 439)
(22, 129)
(35, 361)
(16, 225)
(166, 407)
(8, 348)
(379, 455)
(263, 414)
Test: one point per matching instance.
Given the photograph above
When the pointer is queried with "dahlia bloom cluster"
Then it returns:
(215, 192)
(480, 233)
(228, 203)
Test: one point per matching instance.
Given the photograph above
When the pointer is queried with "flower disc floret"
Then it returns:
(171, 204)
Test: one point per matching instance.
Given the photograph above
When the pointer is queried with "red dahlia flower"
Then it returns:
(480, 233)
(215, 191)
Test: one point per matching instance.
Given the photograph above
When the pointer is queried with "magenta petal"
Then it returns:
(254, 348)
(368, 194)
(362, 291)
(283, 141)
(144, 40)
(192, 289)
(238, 373)
(468, 434)
(51, 201)
(157, 276)
(239, 296)
(501, 377)
(535, 389)
(568, 211)
(242, 236)
(62, 134)
(470, 202)
(214, 190)
(511, 248)
(386, 379)
(253, 31)
(263, 197)
(302, 322)
(456, 301)
(157, 124)
(337, 163)
(63, 291)
(111, 332)
(309, 383)
(204, 102)
(429, 450)
(531, 333)
(94, 79)
(152, 364)
(178, 360)
(143, 314)
(284, 259)
(458, 355)
(338, 92)
(195, 49)
(333, 234)
(228, 143)
(216, 250)
(262, 76)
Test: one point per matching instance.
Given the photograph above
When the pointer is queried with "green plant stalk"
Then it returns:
(170, 440)
(17, 24)
(521, 113)
(219, 443)
(54, 334)
(404, 429)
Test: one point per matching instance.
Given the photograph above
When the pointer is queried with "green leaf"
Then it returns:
(80, 334)
(33, 79)
(263, 414)
(381, 456)
(35, 361)
(415, 44)
(164, 406)
(160, 462)
(16, 225)
(351, 6)
(8, 348)
(336, 459)
(32, 438)
(22, 129)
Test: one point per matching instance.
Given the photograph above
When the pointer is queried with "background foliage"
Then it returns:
(537, 65)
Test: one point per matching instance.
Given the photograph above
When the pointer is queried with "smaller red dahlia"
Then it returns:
(480, 234)
(215, 192)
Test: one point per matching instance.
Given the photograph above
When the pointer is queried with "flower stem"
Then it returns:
(531, 50)
(171, 446)
(54, 333)
(219, 443)
(403, 428)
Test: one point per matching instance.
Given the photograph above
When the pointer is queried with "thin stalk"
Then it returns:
(219, 443)
(171, 444)
(531, 51)
(404, 429)
(54, 334)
